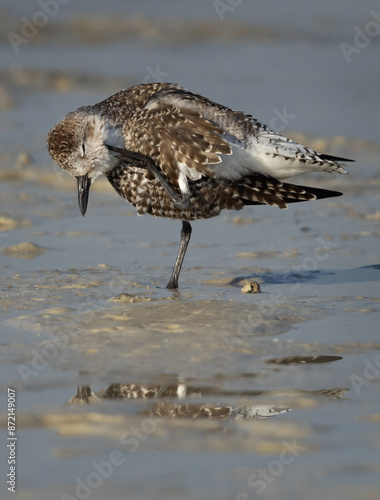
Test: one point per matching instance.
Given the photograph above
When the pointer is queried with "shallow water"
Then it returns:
(206, 392)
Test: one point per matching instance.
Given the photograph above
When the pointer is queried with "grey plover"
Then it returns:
(175, 154)
(165, 396)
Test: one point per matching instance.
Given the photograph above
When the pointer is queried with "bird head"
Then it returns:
(78, 144)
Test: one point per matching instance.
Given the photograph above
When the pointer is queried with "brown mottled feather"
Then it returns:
(170, 136)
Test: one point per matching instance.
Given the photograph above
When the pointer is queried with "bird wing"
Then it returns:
(181, 142)
(255, 148)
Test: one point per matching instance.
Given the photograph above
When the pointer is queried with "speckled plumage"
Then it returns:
(189, 148)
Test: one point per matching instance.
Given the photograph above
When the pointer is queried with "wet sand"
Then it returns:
(207, 392)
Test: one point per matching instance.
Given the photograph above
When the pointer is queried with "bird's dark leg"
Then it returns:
(185, 238)
(143, 161)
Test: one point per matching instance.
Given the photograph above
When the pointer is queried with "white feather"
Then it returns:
(272, 155)
(185, 173)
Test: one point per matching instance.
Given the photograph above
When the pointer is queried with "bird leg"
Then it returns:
(185, 238)
(144, 161)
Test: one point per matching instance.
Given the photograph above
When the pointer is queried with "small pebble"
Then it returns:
(251, 287)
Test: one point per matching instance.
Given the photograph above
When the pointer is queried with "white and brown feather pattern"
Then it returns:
(178, 142)
(269, 191)
(236, 126)
(187, 135)
(208, 196)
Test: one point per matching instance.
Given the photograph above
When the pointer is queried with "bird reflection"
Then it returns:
(166, 398)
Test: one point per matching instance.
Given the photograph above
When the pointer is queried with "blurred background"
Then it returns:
(310, 70)
(254, 56)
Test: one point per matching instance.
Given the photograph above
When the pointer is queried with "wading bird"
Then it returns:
(175, 154)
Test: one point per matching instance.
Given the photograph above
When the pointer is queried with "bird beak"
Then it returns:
(84, 183)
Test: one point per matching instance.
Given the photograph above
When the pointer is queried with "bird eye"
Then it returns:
(83, 150)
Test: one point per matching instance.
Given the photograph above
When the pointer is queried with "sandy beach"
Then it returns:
(206, 392)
